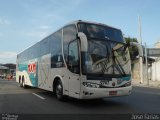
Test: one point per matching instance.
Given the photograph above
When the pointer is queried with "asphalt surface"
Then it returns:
(14, 99)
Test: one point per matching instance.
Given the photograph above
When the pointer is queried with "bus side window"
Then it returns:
(69, 34)
(73, 57)
(55, 49)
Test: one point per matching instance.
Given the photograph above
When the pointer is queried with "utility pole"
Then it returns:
(140, 33)
(140, 57)
(146, 64)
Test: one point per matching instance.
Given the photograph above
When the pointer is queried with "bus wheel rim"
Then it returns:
(59, 90)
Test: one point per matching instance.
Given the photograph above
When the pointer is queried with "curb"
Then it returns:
(146, 86)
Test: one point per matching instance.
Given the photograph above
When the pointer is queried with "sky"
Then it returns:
(25, 22)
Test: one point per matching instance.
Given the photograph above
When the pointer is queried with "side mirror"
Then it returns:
(139, 46)
(83, 40)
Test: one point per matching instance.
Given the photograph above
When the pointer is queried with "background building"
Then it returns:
(7, 69)
(155, 76)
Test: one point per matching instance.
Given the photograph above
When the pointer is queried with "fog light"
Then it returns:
(113, 84)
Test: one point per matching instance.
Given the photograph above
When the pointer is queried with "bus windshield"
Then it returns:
(102, 32)
(107, 54)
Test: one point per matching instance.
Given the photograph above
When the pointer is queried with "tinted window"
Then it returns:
(44, 46)
(113, 34)
(30, 53)
(73, 57)
(101, 32)
(56, 49)
(95, 31)
(36, 51)
(69, 34)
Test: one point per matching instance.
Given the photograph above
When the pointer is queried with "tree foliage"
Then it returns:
(132, 49)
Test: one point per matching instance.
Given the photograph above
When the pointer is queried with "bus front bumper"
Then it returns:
(93, 93)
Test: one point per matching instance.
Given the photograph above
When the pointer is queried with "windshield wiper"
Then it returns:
(118, 66)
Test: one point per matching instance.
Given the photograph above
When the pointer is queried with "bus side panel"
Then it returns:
(47, 74)
(44, 75)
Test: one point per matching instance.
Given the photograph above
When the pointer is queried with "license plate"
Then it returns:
(112, 92)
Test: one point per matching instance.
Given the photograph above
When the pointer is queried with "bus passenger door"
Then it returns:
(74, 69)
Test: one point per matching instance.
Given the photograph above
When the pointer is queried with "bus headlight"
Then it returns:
(91, 85)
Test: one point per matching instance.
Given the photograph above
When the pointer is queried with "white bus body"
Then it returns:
(77, 62)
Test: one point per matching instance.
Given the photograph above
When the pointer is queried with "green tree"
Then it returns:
(132, 49)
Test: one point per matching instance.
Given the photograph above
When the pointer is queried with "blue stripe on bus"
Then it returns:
(126, 78)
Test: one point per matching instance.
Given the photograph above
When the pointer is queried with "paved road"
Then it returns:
(14, 99)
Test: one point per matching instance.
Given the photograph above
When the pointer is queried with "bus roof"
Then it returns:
(91, 22)
(73, 22)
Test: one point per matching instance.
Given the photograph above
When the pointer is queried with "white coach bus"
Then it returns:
(84, 60)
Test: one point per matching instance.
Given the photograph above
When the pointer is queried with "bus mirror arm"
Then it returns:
(83, 41)
(139, 47)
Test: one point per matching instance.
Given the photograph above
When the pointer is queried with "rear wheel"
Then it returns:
(59, 91)
(23, 84)
(20, 83)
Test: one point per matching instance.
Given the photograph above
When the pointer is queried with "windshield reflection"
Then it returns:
(107, 57)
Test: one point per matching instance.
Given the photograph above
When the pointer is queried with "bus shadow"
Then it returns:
(94, 103)
(90, 103)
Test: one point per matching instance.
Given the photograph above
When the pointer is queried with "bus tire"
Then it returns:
(23, 84)
(59, 90)
(20, 83)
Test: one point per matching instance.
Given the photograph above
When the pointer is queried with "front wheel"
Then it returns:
(59, 91)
